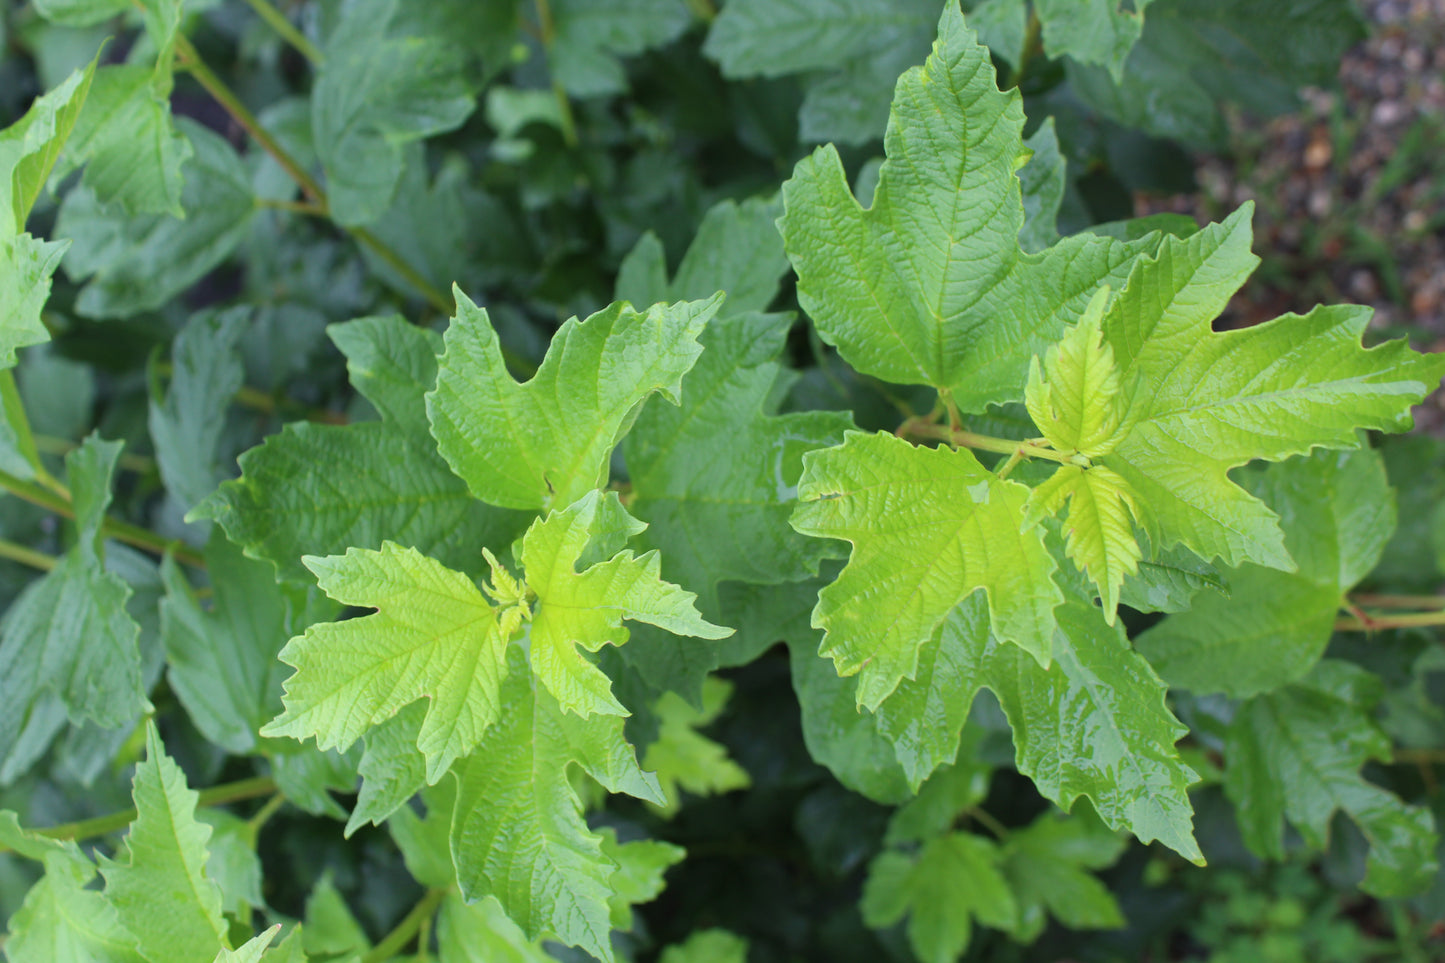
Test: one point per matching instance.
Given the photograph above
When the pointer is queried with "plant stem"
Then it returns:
(704, 10)
(109, 823)
(1030, 47)
(967, 439)
(110, 527)
(1400, 601)
(266, 812)
(1376, 623)
(51, 445)
(1427, 756)
(393, 942)
(564, 104)
(986, 819)
(435, 298)
(26, 556)
(278, 22)
(294, 207)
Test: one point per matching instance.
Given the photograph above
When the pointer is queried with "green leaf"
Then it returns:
(186, 425)
(547, 442)
(737, 249)
(1100, 32)
(1046, 866)
(948, 793)
(62, 918)
(68, 642)
(125, 134)
(1099, 532)
(953, 880)
(588, 38)
(936, 290)
(392, 768)
(138, 262)
(1337, 512)
(1074, 397)
(641, 864)
(81, 13)
(26, 267)
(382, 85)
(1216, 400)
(1172, 85)
(587, 608)
(1042, 182)
(518, 832)
(30, 147)
(307, 776)
(1092, 724)
(221, 662)
(159, 886)
(321, 489)
(1168, 580)
(682, 757)
(481, 932)
(929, 526)
(433, 635)
(330, 930)
(1296, 754)
(233, 863)
(715, 476)
(251, 950)
(707, 946)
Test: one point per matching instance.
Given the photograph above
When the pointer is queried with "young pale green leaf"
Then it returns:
(433, 635)
(1296, 754)
(392, 768)
(641, 864)
(30, 147)
(67, 644)
(159, 887)
(682, 757)
(381, 86)
(1092, 724)
(125, 134)
(307, 776)
(1074, 397)
(26, 267)
(587, 39)
(321, 489)
(518, 832)
(547, 442)
(250, 951)
(186, 424)
(1046, 865)
(708, 946)
(1337, 512)
(1099, 532)
(221, 662)
(481, 932)
(137, 262)
(953, 880)
(1219, 399)
(586, 608)
(1100, 32)
(936, 289)
(929, 526)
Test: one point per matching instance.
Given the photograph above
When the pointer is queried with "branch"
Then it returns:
(392, 943)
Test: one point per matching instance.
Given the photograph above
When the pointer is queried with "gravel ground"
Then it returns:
(1350, 191)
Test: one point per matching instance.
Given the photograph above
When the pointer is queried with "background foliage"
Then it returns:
(257, 220)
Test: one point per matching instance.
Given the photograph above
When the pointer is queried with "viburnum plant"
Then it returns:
(487, 611)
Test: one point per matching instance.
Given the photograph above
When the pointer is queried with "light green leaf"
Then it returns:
(1074, 397)
(221, 662)
(321, 489)
(433, 636)
(589, 37)
(1168, 580)
(707, 946)
(1101, 32)
(251, 950)
(307, 776)
(953, 880)
(186, 425)
(26, 267)
(682, 757)
(929, 526)
(1337, 512)
(159, 886)
(125, 134)
(948, 793)
(481, 932)
(587, 608)
(1092, 724)
(1046, 866)
(547, 442)
(1042, 181)
(138, 262)
(67, 644)
(381, 86)
(518, 832)
(1099, 532)
(641, 864)
(330, 930)
(1296, 754)
(81, 13)
(1216, 400)
(392, 768)
(933, 288)
(30, 147)
(233, 862)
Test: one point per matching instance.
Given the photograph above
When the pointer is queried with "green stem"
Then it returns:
(27, 556)
(278, 22)
(704, 10)
(1427, 756)
(141, 538)
(1002, 446)
(14, 413)
(435, 298)
(294, 207)
(564, 104)
(1399, 601)
(50, 445)
(1031, 46)
(272, 805)
(411, 924)
(101, 825)
(1377, 623)
(986, 819)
